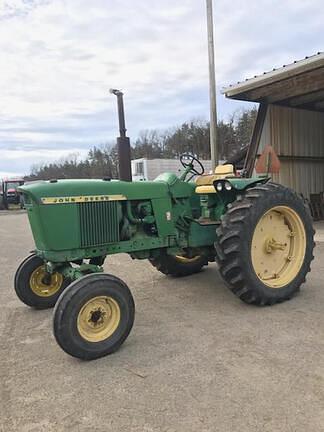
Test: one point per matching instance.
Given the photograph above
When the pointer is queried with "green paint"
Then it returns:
(243, 183)
(146, 218)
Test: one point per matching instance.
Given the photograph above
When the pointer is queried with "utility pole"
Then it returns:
(123, 144)
(212, 85)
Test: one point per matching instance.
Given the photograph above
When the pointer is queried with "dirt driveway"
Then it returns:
(197, 359)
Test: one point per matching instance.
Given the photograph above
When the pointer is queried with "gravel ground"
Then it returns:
(197, 359)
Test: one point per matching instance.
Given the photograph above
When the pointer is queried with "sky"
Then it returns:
(59, 58)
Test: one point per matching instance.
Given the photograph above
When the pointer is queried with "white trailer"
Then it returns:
(149, 169)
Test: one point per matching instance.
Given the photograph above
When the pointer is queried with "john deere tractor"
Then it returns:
(260, 234)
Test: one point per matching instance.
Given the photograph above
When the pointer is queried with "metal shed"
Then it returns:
(290, 119)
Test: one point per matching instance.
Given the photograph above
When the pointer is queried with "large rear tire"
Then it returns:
(177, 265)
(94, 316)
(265, 244)
(33, 286)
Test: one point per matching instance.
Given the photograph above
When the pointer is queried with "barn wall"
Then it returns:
(297, 136)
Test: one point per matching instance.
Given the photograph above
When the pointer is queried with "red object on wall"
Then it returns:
(268, 162)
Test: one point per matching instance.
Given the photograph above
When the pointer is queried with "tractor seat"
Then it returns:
(205, 183)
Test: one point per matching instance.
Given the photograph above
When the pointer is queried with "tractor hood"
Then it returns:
(88, 213)
(67, 191)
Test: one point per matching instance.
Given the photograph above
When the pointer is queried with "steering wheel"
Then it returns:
(188, 161)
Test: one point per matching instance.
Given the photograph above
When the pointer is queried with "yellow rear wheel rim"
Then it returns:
(38, 285)
(185, 260)
(278, 246)
(98, 319)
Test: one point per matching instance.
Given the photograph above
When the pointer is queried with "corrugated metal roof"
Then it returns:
(285, 85)
(276, 71)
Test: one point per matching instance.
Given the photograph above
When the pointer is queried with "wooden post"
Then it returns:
(255, 140)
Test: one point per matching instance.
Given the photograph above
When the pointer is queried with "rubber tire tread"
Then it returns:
(22, 286)
(69, 305)
(235, 234)
(170, 266)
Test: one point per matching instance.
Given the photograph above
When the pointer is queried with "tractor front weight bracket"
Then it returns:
(80, 271)
(73, 273)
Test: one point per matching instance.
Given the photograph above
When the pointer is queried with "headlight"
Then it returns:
(219, 186)
(228, 186)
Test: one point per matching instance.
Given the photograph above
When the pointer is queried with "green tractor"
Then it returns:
(260, 234)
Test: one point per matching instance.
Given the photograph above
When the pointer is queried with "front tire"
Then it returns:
(31, 286)
(94, 316)
(265, 244)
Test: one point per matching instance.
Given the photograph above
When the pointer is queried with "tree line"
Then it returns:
(191, 137)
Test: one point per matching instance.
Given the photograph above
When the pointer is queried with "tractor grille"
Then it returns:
(99, 223)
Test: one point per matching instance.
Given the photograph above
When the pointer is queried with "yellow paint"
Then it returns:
(185, 260)
(221, 172)
(82, 199)
(225, 170)
(205, 189)
(98, 318)
(278, 246)
(39, 287)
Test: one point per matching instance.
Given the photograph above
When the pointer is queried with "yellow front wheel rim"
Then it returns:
(278, 246)
(98, 319)
(38, 285)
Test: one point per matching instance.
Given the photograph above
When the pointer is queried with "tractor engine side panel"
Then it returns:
(162, 210)
(73, 226)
